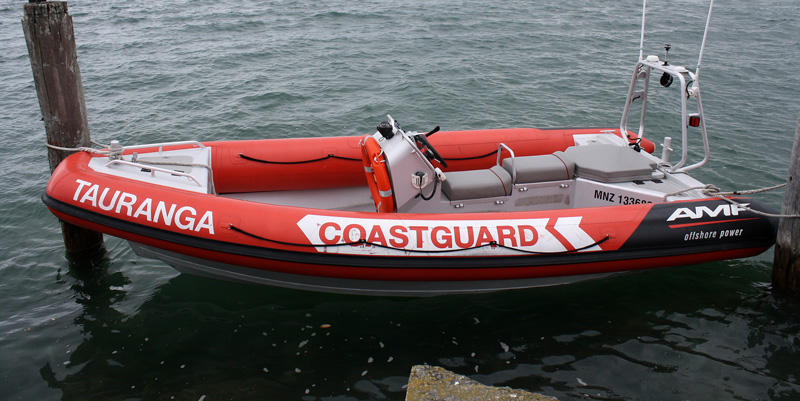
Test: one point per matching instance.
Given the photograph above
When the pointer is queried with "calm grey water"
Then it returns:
(129, 328)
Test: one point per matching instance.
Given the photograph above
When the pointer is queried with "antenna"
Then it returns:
(703, 45)
(641, 39)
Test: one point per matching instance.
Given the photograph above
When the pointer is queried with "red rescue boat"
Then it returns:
(410, 213)
(299, 212)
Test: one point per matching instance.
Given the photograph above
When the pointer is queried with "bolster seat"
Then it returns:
(476, 184)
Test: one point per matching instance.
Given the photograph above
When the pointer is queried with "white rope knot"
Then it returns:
(706, 189)
(711, 190)
(113, 151)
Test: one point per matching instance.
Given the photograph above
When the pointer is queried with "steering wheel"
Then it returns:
(426, 148)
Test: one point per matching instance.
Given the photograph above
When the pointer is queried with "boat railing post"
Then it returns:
(634, 95)
(51, 47)
(684, 126)
(786, 261)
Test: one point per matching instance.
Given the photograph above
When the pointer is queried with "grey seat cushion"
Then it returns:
(475, 184)
(610, 163)
(552, 167)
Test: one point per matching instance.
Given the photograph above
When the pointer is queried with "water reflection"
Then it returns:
(701, 332)
(97, 291)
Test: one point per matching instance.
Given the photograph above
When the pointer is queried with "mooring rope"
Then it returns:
(750, 191)
(82, 149)
(714, 191)
(724, 196)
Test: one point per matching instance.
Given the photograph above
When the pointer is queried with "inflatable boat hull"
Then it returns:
(390, 253)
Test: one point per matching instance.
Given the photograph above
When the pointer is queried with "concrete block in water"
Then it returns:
(432, 383)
